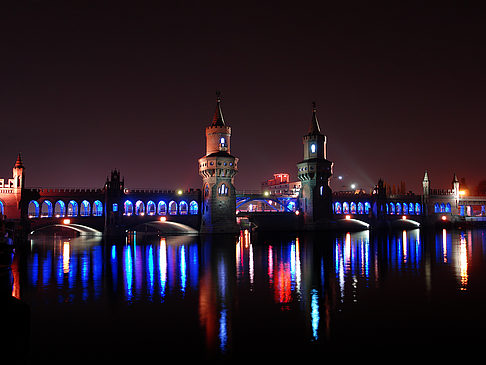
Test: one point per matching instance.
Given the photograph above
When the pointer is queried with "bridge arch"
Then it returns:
(151, 209)
(172, 208)
(85, 209)
(33, 209)
(97, 208)
(46, 209)
(139, 208)
(128, 208)
(162, 208)
(278, 205)
(72, 209)
(193, 207)
(79, 228)
(183, 208)
(60, 209)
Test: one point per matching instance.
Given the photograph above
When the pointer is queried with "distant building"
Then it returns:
(281, 185)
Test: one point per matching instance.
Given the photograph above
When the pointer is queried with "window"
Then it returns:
(222, 142)
(151, 208)
(353, 208)
(313, 148)
(128, 208)
(399, 208)
(223, 190)
(436, 208)
(442, 207)
(172, 208)
(161, 208)
(392, 208)
(33, 210)
(46, 209)
(97, 208)
(448, 208)
(60, 209)
(115, 207)
(183, 208)
(193, 208)
(72, 209)
(85, 209)
(360, 208)
(417, 208)
(345, 208)
(368, 207)
(139, 208)
(410, 209)
(405, 208)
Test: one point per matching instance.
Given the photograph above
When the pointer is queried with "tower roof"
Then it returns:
(19, 163)
(426, 176)
(218, 120)
(314, 125)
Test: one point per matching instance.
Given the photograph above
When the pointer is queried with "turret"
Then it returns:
(426, 185)
(18, 173)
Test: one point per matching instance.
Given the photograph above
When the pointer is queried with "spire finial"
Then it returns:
(314, 126)
(218, 119)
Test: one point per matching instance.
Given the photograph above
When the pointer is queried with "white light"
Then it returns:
(353, 186)
(340, 177)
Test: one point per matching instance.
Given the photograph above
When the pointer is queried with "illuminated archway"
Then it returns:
(97, 208)
(60, 209)
(46, 209)
(72, 209)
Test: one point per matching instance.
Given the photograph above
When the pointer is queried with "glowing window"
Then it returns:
(367, 207)
(72, 209)
(172, 208)
(337, 208)
(448, 208)
(223, 190)
(392, 208)
(46, 209)
(442, 207)
(313, 148)
(405, 208)
(151, 209)
(360, 208)
(59, 209)
(139, 208)
(128, 208)
(436, 208)
(183, 208)
(193, 208)
(222, 141)
(33, 210)
(85, 209)
(115, 207)
(399, 208)
(418, 208)
(97, 208)
(410, 209)
(345, 208)
(353, 208)
(161, 208)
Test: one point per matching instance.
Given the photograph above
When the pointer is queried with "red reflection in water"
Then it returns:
(282, 285)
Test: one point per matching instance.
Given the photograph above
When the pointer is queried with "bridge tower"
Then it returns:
(426, 190)
(314, 172)
(114, 190)
(217, 169)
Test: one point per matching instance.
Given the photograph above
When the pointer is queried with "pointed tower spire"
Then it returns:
(314, 126)
(455, 180)
(218, 119)
(426, 176)
(19, 163)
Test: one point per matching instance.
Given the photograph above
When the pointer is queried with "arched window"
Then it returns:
(411, 209)
(405, 208)
(367, 207)
(418, 209)
(85, 209)
(223, 190)
(151, 208)
(345, 208)
(193, 208)
(33, 210)
(436, 208)
(313, 148)
(72, 209)
(97, 208)
(139, 208)
(448, 208)
(59, 209)
(392, 208)
(442, 207)
(206, 190)
(46, 209)
(162, 208)
(399, 208)
(128, 208)
(353, 208)
(172, 208)
(183, 208)
(360, 208)
(338, 208)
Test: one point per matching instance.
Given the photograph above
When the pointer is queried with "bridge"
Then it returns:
(218, 207)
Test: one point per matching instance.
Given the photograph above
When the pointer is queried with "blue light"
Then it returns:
(315, 313)
(115, 207)
(182, 264)
(313, 148)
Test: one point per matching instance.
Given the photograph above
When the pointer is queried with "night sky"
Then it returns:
(87, 88)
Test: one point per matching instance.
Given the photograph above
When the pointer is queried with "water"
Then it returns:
(406, 294)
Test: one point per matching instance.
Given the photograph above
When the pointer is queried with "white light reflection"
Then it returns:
(65, 258)
(444, 245)
(463, 263)
(162, 266)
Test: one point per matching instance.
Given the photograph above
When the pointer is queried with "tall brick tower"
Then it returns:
(217, 169)
(314, 173)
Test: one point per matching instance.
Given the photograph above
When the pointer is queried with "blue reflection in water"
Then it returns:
(182, 266)
(315, 313)
(128, 272)
(150, 273)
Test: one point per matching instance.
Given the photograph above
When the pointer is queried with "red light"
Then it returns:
(66, 221)
(163, 219)
(348, 217)
(444, 218)
(404, 217)
(297, 212)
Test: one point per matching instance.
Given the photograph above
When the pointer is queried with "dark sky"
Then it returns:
(86, 88)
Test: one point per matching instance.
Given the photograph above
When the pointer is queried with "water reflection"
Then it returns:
(250, 284)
